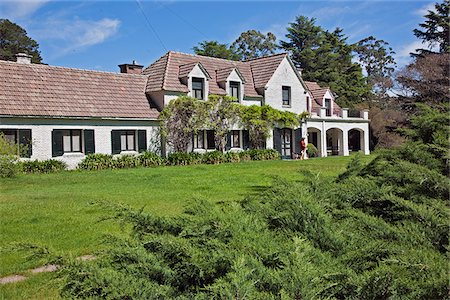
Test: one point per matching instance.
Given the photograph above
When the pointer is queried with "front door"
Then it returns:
(286, 143)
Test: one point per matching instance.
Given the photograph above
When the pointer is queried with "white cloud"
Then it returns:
(73, 35)
(403, 57)
(424, 10)
(20, 9)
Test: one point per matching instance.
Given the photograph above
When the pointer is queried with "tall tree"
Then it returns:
(215, 49)
(326, 57)
(377, 58)
(435, 30)
(253, 44)
(14, 39)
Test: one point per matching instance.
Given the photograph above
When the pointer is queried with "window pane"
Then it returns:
(197, 83)
(76, 140)
(123, 141)
(10, 135)
(200, 143)
(130, 139)
(235, 143)
(66, 141)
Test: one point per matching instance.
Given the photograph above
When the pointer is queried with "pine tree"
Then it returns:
(435, 30)
(14, 39)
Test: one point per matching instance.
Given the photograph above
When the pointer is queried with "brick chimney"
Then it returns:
(133, 68)
(23, 58)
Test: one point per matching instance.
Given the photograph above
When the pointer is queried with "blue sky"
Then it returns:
(102, 34)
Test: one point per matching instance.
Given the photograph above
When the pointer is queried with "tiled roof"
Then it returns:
(222, 74)
(318, 93)
(163, 74)
(41, 90)
(264, 67)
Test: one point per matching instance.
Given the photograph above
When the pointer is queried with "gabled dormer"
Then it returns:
(232, 81)
(195, 76)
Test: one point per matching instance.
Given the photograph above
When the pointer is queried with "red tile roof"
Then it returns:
(41, 90)
(163, 74)
(318, 93)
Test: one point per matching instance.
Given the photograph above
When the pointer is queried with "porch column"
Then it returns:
(365, 142)
(323, 137)
(345, 151)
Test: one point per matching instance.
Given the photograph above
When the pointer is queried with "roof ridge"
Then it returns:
(166, 67)
(207, 57)
(268, 56)
(68, 68)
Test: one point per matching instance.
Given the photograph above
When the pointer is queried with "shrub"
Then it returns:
(126, 161)
(213, 158)
(9, 166)
(97, 161)
(264, 154)
(184, 158)
(151, 159)
(244, 155)
(312, 151)
(43, 166)
(232, 157)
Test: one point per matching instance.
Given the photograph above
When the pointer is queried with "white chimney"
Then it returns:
(23, 58)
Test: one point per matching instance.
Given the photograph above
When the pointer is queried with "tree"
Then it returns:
(326, 57)
(253, 44)
(214, 49)
(222, 113)
(377, 58)
(435, 30)
(14, 39)
(179, 119)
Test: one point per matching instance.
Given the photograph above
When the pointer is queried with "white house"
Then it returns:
(67, 113)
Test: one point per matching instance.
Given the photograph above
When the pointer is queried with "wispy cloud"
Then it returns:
(74, 35)
(424, 10)
(403, 56)
(21, 9)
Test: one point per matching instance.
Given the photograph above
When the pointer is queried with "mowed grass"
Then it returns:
(55, 210)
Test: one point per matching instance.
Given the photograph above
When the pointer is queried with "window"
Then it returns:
(307, 104)
(71, 140)
(199, 140)
(127, 140)
(235, 139)
(328, 107)
(197, 88)
(286, 95)
(235, 89)
(210, 143)
(21, 138)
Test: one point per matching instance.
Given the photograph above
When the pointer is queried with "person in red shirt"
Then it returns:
(302, 149)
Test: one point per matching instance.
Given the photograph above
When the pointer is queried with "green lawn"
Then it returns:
(54, 209)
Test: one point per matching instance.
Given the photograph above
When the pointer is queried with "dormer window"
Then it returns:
(286, 96)
(235, 89)
(328, 107)
(198, 85)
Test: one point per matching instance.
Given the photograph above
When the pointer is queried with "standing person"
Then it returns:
(303, 148)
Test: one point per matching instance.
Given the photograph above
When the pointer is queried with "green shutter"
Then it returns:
(298, 137)
(115, 141)
(57, 143)
(26, 141)
(89, 141)
(142, 140)
(277, 139)
(228, 145)
(245, 139)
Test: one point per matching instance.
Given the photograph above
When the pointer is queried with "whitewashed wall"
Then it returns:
(41, 133)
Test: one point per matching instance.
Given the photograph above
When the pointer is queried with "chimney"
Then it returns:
(132, 68)
(23, 58)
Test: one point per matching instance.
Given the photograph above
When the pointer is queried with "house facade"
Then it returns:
(65, 113)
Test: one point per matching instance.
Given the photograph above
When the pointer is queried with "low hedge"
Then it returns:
(42, 166)
(100, 161)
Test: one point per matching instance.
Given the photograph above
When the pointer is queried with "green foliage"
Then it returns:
(151, 159)
(42, 166)
(96, 161)
(9, 166)
(253, 44)
(323, 56)
(215, 49)
(312, 151)
(184, 158)
(435, 30)
(232, 157)
(213, 158)
(14, 39)
(263, 154)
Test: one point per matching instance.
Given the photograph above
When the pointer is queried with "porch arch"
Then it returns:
(315, 138)
(334, 141)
